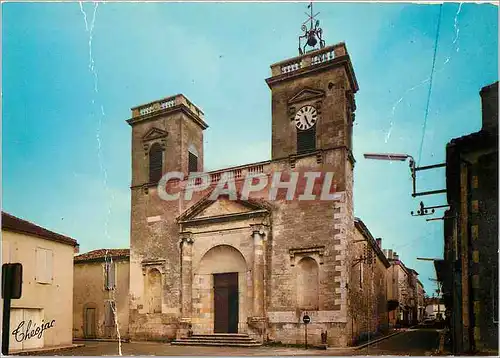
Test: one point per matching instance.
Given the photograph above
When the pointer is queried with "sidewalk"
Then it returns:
(34, 351)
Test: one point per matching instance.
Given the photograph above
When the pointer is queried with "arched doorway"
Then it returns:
(220, 282)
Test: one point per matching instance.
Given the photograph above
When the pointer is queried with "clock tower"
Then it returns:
(312, 102)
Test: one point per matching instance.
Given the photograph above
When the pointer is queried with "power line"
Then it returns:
(430, 85)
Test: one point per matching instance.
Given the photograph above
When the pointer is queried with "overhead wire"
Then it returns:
(430, 85)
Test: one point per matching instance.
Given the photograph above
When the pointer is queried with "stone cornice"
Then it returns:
(226, 217)
(178, 108)
(336, 62)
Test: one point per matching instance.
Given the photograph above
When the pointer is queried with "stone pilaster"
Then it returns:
(258, 271)
(186, 242)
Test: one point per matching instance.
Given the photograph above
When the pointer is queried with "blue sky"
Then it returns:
(66, 146)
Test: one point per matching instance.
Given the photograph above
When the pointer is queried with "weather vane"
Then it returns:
(313, 34)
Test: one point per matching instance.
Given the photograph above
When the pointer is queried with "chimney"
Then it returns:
(396, 256)
(489, 104)
(390, 254)
(379, 242)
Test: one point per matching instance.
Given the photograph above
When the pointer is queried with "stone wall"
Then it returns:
(89, 292)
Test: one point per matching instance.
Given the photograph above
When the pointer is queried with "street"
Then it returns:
(419, 342)
(415, 342)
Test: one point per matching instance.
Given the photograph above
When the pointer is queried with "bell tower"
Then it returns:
(167, 136)
(312, 97)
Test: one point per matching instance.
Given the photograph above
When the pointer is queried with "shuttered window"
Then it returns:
(155, 163)
(109, 314)
(306, 140)
(193, 163)
(361, 274)
(109, 275)
(44, 265)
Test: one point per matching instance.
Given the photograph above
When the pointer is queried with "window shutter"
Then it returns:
(106, 275)
(111, 279)
(107, 314)
(193, 163)
(155, 163)
(306, 140)
(49, 268)
(39, 268)
(41, 265)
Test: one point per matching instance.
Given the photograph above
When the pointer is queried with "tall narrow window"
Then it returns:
(192, 159)
(109, 275)
(193, 162)
(306, 140)
(361, 274)
(44, 265)
(155, 163)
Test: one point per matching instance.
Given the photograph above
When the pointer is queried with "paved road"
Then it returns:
(415, 342)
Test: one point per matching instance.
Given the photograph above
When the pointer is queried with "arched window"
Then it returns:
(155, 163)
(306, 140)
(153, 290)
(193, 159)
(307, 284)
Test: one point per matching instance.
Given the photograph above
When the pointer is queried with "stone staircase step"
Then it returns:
(218, 339)
(221, 335)
(215, 343)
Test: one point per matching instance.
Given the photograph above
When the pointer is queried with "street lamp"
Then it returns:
(413, 170)
(389, 156)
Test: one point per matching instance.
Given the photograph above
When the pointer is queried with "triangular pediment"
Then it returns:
(222, 208)
(306, 94)
(154, 133)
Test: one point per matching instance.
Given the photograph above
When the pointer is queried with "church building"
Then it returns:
(251, 267)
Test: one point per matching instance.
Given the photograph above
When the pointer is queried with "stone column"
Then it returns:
(186, 243)
(258, 271)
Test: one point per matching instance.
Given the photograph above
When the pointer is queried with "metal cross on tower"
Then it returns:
(313, 34)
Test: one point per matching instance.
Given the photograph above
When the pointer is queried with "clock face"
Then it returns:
(306, 117)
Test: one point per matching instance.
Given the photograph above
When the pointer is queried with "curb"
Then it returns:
(49, 349)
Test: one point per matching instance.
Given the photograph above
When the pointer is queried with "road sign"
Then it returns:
(12, 281)
(306, 319)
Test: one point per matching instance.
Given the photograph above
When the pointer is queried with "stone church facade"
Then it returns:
(251, 265)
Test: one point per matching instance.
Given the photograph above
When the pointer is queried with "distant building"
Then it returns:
(367, 289)
(100, 308)
(403, 292)
(435, 309)
(469, 271)
(420, 301)
(47, 289)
